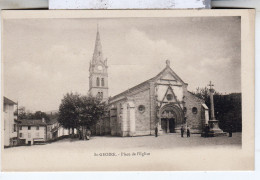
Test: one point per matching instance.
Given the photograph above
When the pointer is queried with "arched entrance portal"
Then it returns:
(171, 118)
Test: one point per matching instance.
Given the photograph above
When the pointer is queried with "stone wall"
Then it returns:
(193, 119)
(143, 121)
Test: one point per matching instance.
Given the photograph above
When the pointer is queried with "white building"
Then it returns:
(32, 131)
(10, 126)
(62, 131)
(55, 130)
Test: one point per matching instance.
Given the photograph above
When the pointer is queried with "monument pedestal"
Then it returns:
(215, 130)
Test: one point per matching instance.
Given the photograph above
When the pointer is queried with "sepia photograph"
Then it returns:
(127, 90)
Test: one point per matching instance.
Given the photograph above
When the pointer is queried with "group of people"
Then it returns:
(182, 131)
(187, 131)
(87, 134)
(206, 131)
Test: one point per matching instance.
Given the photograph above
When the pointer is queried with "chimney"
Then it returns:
(43, 120)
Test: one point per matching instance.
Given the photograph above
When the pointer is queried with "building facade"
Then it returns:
(10, 126)
(32, 131)
(55, 130)
(163, 101)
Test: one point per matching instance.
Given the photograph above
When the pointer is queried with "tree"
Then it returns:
(21, 113)
(68, 113)
(40, 115)
(90, 110)
(81, 112)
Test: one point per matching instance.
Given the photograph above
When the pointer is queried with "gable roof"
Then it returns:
(8, 101)
(32, 122)
(167, 68)
(52, 121)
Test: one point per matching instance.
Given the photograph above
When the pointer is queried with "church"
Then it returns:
(163, 101)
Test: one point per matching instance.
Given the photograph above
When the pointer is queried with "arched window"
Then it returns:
(102, 82)
(97, 81)
(194, 110)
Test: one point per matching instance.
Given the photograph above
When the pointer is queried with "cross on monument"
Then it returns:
(210, 85)
(213, 123)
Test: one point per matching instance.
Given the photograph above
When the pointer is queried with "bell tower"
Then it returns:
(98, 76)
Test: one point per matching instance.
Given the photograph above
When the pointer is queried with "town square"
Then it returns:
(86, 92)
(110, 147)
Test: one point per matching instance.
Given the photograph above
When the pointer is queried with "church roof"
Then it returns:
(194, 95)
(167, 68)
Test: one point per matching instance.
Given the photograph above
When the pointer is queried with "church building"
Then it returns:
(163, 101)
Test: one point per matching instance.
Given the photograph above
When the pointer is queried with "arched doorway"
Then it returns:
(171, 118)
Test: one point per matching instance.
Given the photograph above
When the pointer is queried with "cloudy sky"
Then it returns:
(46, 58)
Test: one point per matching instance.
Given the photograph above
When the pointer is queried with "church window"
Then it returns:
(97, 81)
(102, 82)
(169, 97)
(141, 108)
(194, 110)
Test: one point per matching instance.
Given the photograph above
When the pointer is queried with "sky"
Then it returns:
(43, 59)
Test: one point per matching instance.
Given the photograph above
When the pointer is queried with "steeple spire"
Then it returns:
(98, 75)
(97, 55)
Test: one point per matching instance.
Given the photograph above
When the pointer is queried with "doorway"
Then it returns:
(168, 125)
(172, 125)
(171, 118)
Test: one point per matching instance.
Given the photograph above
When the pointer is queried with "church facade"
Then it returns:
(163, 101)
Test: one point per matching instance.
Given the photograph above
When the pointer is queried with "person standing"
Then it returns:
(188, 131)
(206, 131)
(182, 131)
(88, 134)
(156, 131)
(230, 131)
